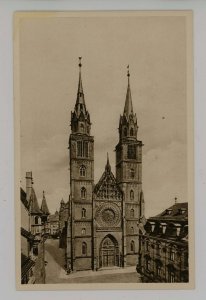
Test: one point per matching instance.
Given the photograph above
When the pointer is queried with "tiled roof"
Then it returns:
(27, 234)
(44, 207)
(26, 264)
(176, 212)
(23, 198)
(34, 206)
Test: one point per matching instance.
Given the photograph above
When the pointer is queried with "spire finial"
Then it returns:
(43, 194)
(80, 63)
(128, 73)
(175, 200)
(108, 167)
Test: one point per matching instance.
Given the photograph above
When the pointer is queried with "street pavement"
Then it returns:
(55, 270)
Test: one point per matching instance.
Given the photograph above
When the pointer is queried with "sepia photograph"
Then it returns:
(104, 150)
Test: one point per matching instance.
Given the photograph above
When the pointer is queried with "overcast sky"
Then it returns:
(155, 48)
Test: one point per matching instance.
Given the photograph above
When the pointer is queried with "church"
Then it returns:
(104, 218)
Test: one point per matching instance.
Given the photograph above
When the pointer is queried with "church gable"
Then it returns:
(107, 187)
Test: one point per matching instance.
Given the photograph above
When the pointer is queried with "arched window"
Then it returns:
(84, 248)
(36, 220)
(132, 213)
(83, 231)
(131, 195)
(132, 173)
(82, 171)
(83, 193)
(125, 131)
(83, 213)
(82, 128)
(132, 246)
(132, 230)
(131, 132)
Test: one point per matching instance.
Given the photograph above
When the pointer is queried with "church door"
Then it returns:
(109, 253)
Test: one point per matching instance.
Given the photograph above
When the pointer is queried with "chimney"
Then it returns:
(29, 182)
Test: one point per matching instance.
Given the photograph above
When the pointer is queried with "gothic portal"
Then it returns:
(103, 223)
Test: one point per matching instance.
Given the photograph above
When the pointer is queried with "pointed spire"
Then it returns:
(128, 108)
(44, 207)
(80, 93)
(108, 167)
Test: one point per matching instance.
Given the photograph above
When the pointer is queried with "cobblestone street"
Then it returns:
(55, 272)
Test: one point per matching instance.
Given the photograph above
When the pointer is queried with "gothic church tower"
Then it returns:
(129, 178)
(81, 152)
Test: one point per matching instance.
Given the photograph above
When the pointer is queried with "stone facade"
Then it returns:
(163, 254)
(103, 219)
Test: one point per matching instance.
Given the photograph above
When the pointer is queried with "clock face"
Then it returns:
(108, 215)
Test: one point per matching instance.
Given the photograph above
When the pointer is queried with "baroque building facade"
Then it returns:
(103, 218)
(163, 253)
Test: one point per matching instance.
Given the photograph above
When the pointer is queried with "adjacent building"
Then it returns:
(32, 242)
(53, 221)
(163, 251)
(27, 241)
(103, 219)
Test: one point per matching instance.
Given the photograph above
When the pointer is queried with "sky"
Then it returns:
(155, 49)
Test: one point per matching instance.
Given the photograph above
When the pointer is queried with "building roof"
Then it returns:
(170, 225)
(107, 187)
(176, 212)
(34, 206)
(23, 198)
(26, 264)
(27, 234)
(54, 217)
(44, 207)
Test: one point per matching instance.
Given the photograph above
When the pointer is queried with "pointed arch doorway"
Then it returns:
(109, 252)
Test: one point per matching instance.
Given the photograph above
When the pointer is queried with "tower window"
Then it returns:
(36, 220)
(83, 213)
(125, 131)
(131, 132)
(131, 151)
(83, 193)
(83, 231)
(82, 128)
(132, 246)
(131, 173)
(82, 171)
(84, 248)
(132, 213)
(82, 149)
(132, 230)
(132, 195)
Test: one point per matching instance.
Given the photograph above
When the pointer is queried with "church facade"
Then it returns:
(103, 220)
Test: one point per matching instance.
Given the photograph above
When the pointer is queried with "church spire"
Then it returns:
(80, 93)
(80, 118)
(128, 108)
(44, 207)
(128, 121)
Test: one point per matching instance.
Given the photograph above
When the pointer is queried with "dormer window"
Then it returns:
(169, 211)
(182, 211)
(125, 131)
(152, 226)
(164, 226)
(178, 228)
